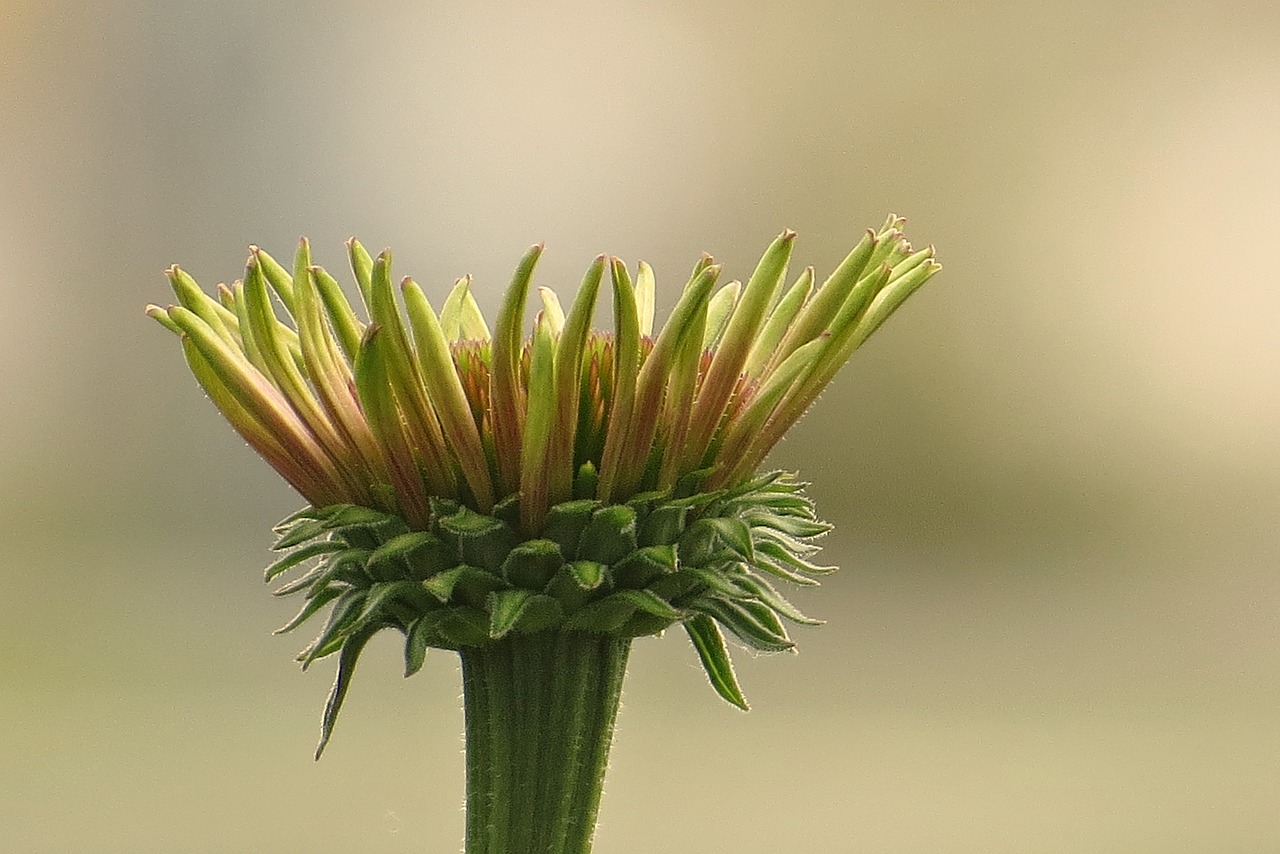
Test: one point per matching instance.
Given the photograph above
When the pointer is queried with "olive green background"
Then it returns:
(1055, 473)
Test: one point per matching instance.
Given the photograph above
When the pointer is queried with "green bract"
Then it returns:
(467, 486)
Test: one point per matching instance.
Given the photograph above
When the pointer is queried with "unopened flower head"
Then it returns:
(466, 483)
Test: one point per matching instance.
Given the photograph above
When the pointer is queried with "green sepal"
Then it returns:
(733, 533)
(347, 565)
(311, 523)
(573, 585)
(604, 616)
(301, 531)
(643, 502)
(308, 512)
(790, 525)
(642, 624)
(709, 643)
(780, 503)
(479, 540)
(565, 523)
(467, 584)
(381, 595)
(627, 613)
(778, 570)
(765, 592)
(690, 485)
(676, 586)
(457, 626)
(779, 479)
(697, 545)
(650, 603)
(663, 525)
(346, 667)
(713, 580)
(372, 535)
(609, 536)
(298, 556)
(781, 555)
(642, 566)
(416, 642)
(586, 574)
(315, 603)
(532, 564)
(701, 558)
(754, 623)
(521, 610)
(508, 510)
(764, 534)
(416, 555)
(331, 637)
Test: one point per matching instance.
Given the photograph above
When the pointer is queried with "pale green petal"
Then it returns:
(718, 311)
(646, 294)
(552, 310)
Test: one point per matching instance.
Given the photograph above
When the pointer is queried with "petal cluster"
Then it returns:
(469, 486)
(408, 405)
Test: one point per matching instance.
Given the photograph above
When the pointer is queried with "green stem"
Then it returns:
(540, 710)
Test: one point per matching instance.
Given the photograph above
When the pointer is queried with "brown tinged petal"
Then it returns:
(334, 383)
(569, 357)
(373, 384)
(818, 311)
(626, 367)
(539, 429)
(257, 434)
(506, 396)
(405, 376)
(726, 365)
(289, 378)
(654, 374)
(347, 328)
(255, 393)
(447, 395)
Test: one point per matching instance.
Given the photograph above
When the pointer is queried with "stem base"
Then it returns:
(540, 710)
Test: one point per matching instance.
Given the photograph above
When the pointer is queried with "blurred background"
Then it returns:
(1055, 474)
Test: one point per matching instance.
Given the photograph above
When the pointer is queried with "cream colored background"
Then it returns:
(1055, 474)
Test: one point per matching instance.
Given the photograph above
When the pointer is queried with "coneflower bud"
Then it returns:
(515, 497)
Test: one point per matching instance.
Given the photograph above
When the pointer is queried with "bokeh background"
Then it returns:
(1055, 473)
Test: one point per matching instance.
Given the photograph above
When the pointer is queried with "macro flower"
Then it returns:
(471, 488)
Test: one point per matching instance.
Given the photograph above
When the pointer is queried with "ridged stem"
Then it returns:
(540, 710)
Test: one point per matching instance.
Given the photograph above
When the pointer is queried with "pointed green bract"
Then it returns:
(346, 667)
(709, 643)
